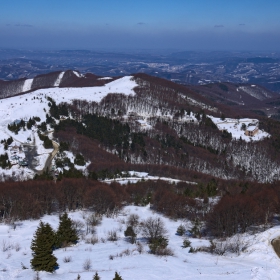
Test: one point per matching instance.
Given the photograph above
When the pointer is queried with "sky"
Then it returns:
(140, 24)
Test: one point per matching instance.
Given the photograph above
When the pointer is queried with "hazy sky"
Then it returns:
(133, 24)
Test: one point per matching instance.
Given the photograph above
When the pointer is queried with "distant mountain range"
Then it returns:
(190, 68)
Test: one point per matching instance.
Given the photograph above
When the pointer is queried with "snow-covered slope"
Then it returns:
(19, 107)
(258, 261)
(234, 127)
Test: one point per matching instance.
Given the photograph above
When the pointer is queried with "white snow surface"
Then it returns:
(135, 176)
(27, 85)
(58, 80)
(105, 78)
(40, 161)
(234, 127)
(257, 262)
(33, 104)
(78, 74)
(36, 104)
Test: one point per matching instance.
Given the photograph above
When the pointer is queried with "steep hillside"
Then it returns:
(143, 121)
(54, 79)
(248, 97)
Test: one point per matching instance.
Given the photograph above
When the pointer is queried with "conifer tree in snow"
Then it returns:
(42, 247)
(66, 233)
(117, 276)
(96, 276)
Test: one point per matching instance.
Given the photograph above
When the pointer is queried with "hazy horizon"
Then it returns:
(159, 24)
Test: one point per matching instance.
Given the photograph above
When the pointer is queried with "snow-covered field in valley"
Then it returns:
(258, 261)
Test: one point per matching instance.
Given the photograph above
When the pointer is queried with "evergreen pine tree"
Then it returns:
(117, 276)
(51, 235)
(181, 230)
(42, 247)
(66, 234)
(96, 276)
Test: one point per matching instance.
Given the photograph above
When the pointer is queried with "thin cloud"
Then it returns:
(23, 25)
(218, 26)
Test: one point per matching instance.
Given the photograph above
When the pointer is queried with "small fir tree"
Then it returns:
(196, 229)
(181, 230)
(42, 247)
(117, 276)
(186, 243)
(96, 276)
(66, 233)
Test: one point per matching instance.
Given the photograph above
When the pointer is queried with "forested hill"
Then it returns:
(143, 123)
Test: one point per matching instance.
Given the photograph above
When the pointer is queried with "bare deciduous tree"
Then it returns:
(153, 228)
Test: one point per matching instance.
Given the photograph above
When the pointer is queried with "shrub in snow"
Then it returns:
(91, 221)
(133, 220)
(23, 266)
(186, 243)
(42, 249)
(78, 225)
(112, 235)
(153, 228)
(139, 247)
(130, 234)
(17, 247)
(92, 240)
(158, 246)
(87, 264)
(234, 245)
(181, 230)
(67, 259)
(192, 250)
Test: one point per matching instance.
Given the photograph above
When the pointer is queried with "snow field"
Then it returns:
(58, 80)
(257, 262)
(234, 127)
(36, 104)
(135, 176)
(27, 85)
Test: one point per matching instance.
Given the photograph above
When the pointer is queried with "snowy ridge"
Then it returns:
(255, 92)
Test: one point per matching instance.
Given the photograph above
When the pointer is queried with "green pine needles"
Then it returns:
(66, 234)
(45, 240)
(96, 276)
(117, 276)
(42, 246)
